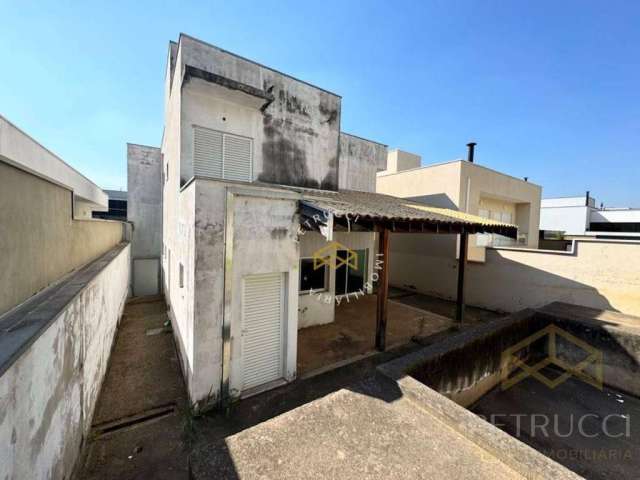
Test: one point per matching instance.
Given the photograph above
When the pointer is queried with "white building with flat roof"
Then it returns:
(580, 216)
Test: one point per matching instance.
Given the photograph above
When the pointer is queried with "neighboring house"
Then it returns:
(579, 216)
(46, 225)
(467, 187)
(268, 216)
(117, 206)
(144, 212)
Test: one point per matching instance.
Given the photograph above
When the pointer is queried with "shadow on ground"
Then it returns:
(143, 427)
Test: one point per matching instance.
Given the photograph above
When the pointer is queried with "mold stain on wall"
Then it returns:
(292, 128)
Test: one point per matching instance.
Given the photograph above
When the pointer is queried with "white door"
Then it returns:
(263, 301)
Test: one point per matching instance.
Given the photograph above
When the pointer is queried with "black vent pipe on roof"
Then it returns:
(471, 146)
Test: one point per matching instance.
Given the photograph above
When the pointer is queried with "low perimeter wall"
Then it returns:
(40, 240)
(54, 351)
(602, 274)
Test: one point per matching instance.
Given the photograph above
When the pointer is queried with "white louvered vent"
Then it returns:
(221, 155)
(262, 329)
(236, 163)
(207, 152)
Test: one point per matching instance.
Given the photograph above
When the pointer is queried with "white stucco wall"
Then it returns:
(264, 229)
(438, 185)
(265, 240)
(573, 220)
(596, 273)
(398, 160)
(360, 160)
(579, 201)
(208, 105)
(48, 395)
(144, 211)
(144, 199)
(619, 216)
(181, 243)
(296, 136)
(40, 240)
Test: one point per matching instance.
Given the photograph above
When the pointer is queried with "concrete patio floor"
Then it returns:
(352, 334)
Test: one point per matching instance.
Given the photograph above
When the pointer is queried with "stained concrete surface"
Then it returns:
(365, 431)
(354, 329)
(594, 455)
(143, 381)
(439, 306)
(410, 316)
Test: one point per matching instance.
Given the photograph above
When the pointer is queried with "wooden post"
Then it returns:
(462, 263)
(383, 291)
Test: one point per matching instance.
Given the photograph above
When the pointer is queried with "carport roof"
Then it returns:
(375, 210)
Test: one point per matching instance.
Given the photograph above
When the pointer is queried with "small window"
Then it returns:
(222, 155)
(166, 176)
(312, 277)
(181, 276)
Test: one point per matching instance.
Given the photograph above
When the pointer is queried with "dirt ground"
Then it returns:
(143, 427)
(138, 423)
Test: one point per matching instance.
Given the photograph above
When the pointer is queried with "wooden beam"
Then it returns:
(383, 291)
(462, 263)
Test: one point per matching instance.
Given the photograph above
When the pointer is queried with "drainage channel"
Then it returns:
(131, 421)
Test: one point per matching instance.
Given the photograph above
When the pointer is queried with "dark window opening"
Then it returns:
(312, 277)
(351, 271)
(630, 227)
(117, 211)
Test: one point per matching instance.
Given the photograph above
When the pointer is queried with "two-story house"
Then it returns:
(268, 216)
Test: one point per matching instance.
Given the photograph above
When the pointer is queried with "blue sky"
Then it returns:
(548, 89)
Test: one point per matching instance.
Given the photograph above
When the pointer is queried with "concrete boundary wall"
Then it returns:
(602, 274)
(55, 350)
(39, 239)
(19, 149)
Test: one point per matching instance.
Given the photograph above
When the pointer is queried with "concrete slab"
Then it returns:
(368, 431)
(353, 332)
(439, 306)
